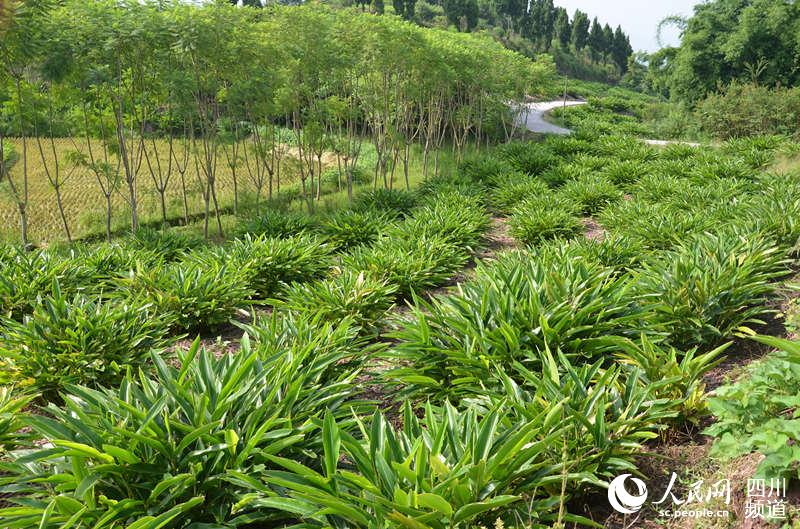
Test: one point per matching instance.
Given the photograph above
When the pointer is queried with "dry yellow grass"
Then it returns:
(84, 202)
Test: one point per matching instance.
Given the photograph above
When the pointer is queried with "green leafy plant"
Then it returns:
(267, 265)
(11, 405)
(196, 295)
(591, 194)
(411, 265)
(540, 218)
(460, 219)
(27, 275)
(530, 158)
(275, 223)
(513, 189)
(348, 295)
(710, 285)
(513, 309)
(82, 341)
(395, 202)
(673, 375)
(347, 229)
(759, 412)
(169, 244)
(175, 449)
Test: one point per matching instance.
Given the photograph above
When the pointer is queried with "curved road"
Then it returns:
(532, 116)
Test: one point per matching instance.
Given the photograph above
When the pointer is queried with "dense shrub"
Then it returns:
(748, 109)
(82, 341)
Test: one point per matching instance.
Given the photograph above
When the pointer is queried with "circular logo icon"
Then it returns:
(621, 500)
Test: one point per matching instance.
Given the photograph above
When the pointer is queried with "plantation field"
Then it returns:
(494, 346)
(84, 202)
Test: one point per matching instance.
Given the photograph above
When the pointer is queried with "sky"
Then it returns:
(638, 18)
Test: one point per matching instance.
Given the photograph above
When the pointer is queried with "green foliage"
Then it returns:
(26, 275)
(348, 295)
(512, 310)
(175, 448)
(197, 296)
(170, 245)
(529, 158)
(450, 470)
(674, 376)
(347, 229)
(11, 405)
(710, 285)
(540, 218)
(453, 216)
(275, 223)
(738, 110)
(729, 40)
(758, 413)
(82, 341)
(514, 188)
(591, 194)
(267, 265)
(409, 264)
(394, 202)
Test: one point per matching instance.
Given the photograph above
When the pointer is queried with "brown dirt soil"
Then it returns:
(594, 230)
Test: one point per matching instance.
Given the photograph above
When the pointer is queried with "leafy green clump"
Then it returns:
(591, 194)
(349, 295)
(759, 412)
(181, 446)
(710, 285)
(170, 245)
(267, 265)
(347, 229)
(394, 202)
(196, 296)
(515, 188)
(529, 158)
(513, 309)
(457, 218)
(82, 341)
(275, 223)
(541, 218)
(410, 264)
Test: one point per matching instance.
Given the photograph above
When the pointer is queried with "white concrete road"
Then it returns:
(533, 117)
